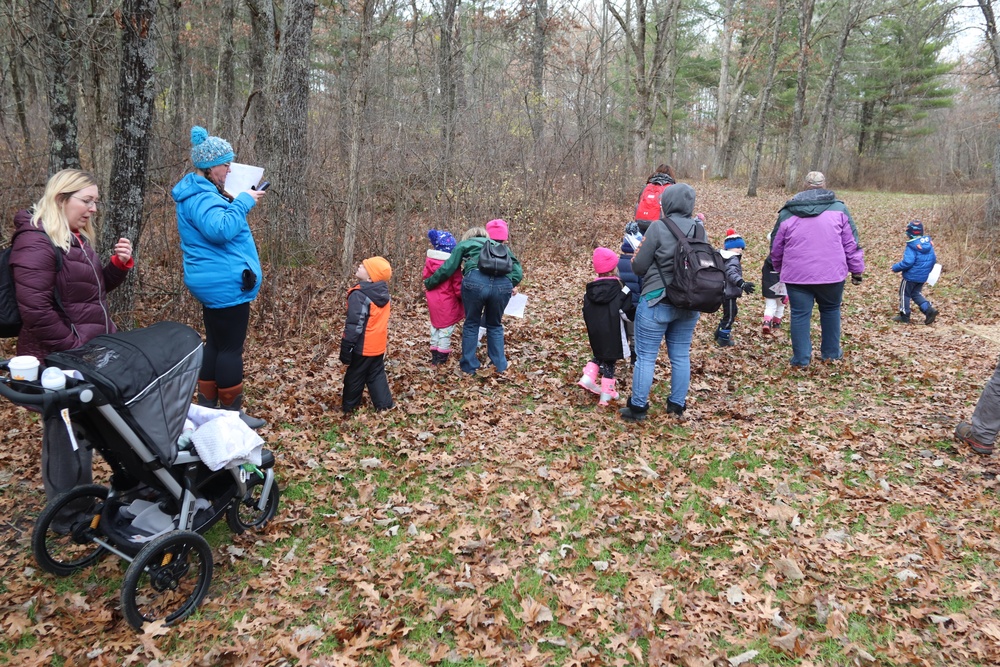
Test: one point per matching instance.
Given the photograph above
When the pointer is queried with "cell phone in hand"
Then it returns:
(263, 186)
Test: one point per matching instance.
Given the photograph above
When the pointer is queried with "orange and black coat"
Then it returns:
(367, 326)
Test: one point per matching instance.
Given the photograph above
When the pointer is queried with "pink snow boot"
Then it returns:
(608, 392)
(589, 379)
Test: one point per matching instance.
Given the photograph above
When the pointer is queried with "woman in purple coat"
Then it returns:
(62, 222)
(813, 250)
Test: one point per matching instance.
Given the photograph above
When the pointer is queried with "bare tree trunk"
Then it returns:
(225, 85)
(798, 113)
(57, 29)
(20, 107)
(448, 67)
(136, 93)
(825, 103)
(176, 94)
(256, 120)
(723, 112)
(536, 98)
(360, 87)
(289, 205)
(647, 72)
(765, 102)
(992, 218)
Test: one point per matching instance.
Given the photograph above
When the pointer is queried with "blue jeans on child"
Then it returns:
(827, 298)
(484, 298)
(653, 324)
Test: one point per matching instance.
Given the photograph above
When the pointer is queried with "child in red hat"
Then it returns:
(606, 305)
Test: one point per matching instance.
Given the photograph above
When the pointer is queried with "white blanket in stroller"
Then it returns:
(221, 438)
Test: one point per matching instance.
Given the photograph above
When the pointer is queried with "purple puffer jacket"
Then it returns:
(82, 285)
(816, 250)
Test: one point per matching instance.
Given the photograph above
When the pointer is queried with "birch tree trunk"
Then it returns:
(798, 113)
(772, 66)
(136, 93)
(57, 29)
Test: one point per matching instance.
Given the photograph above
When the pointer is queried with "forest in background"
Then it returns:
(376, 119)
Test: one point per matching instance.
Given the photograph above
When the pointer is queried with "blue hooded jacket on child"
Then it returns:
(918, 259)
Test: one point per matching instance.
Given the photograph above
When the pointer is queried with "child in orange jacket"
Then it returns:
(365, 336)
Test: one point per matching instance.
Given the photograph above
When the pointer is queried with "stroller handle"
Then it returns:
(83, 392)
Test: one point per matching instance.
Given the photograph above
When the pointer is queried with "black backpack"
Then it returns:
(10, 316)
(495, 259)
(699, 272)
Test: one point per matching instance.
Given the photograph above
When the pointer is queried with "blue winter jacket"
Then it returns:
(217, 243)
(625, 272)
(918, 260)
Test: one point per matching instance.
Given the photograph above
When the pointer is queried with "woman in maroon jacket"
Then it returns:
(62, 222)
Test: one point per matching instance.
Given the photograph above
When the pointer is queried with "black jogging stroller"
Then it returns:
(131, 407)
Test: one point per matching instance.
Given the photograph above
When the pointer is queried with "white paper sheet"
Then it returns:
(934, 275)
(242, 176)
(515, 307)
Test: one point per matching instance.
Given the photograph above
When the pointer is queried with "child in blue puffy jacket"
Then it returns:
(916, 265)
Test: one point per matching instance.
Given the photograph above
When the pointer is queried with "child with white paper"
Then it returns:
(916, 266)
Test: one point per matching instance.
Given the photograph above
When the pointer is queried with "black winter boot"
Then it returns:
(902, 318)
(633, 413)
(930, 315)
(435, 358)
(674, 409)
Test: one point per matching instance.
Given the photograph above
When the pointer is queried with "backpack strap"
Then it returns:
(59, 265)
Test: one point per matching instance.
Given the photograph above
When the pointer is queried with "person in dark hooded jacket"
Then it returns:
(63, 304)
(916, 266)
(656, 320)
(605, 303)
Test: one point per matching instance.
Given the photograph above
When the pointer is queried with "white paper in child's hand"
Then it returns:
(242, 177)
(934, 275)
(515, 307)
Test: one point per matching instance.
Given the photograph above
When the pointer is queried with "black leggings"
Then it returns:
(225, 333)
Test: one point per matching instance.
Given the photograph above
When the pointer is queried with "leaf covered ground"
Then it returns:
(817, 517)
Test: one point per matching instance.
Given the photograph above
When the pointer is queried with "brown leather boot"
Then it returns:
(231, 398)
(208, 394)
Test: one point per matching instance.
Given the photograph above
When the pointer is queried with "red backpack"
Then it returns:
(649, 202)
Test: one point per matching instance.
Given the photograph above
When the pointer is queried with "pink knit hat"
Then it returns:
(497, 229)
(605, 260)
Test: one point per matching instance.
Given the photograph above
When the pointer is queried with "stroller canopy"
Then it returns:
(147, 374)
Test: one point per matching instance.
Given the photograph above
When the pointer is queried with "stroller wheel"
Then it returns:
(245, 513)
(63, 539)
(167, 580)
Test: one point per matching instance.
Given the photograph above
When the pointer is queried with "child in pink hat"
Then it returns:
(606, 304)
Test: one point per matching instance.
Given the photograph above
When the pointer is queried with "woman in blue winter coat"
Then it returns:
(916, 266)
(221, 267)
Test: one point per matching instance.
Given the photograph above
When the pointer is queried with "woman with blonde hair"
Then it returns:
(62, 290)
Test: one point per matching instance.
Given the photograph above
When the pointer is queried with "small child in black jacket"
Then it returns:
(732, 251)
(606, 306)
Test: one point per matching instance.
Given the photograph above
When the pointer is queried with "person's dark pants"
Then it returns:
(366, 372)
(225, 334)
(63, 469)
(729, 312)
(606, 367)
(827, 297)
(911, 291)
(986, 418)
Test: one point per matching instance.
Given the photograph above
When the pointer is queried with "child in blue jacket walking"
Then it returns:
(916, 265)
